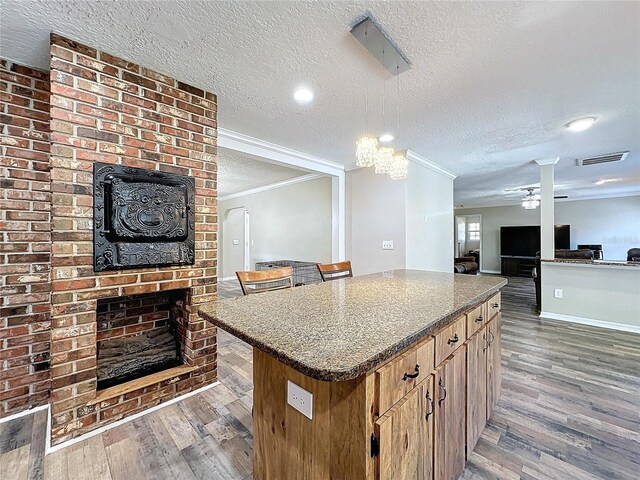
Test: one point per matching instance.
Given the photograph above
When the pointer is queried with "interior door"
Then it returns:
(477, 347)
(449, 426)
(494, 362)
(405, 433)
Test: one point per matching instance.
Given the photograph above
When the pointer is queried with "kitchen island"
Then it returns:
(403, 368)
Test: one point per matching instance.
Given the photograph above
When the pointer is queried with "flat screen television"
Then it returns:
(524, 241)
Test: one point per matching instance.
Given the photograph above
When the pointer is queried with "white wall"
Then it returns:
(429, 216)
(232, 222)
(612, 222)
(379, 208)
(375, 212)
(286, 223)
(596, 294)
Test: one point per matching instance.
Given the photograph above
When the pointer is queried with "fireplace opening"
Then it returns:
(137, 336)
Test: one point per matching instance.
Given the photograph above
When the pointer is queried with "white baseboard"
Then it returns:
(590, 321)
(24, 413)
(497, 272)
(226, 279)
(50, 449)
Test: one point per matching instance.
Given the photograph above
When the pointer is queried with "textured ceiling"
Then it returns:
(238, 172)
(490, 88)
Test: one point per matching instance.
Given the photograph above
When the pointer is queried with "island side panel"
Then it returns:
(288, 445)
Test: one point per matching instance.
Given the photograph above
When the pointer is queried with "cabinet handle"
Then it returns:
(444, 390)
(496, 305)
(492, 337)
(484, 337)
(412, 375)
(431, 407)
(479, 319)
(455, 339)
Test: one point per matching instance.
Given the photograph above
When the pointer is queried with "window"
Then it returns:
(473, 231)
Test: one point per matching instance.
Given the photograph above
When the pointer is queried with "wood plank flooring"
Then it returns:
(570, 409)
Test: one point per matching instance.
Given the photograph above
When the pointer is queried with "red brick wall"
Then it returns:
(133, 315)
(25, 237)
(110, 110)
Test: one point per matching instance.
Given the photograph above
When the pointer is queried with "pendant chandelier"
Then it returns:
(384, 159)
(531, 201)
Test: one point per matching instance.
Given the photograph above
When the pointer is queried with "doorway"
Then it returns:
(468, 236)
(236, 243)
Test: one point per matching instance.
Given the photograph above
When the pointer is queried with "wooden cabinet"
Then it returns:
(449, 417)
(401, 375)
(494, 305)
(494, 362)
(476, 319)
(477, 349)
(450, 338)
(405, 434)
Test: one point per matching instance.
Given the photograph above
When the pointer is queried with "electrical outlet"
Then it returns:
(236, 242)
(300, 399)
(557, 293)
(387, 244)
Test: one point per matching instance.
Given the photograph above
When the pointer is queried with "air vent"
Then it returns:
(611, 157)
(561, 197)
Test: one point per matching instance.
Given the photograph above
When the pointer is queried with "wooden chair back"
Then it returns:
(335, 271)
(264, 280)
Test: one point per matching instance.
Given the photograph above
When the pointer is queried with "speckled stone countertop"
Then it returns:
(620, 263)
(341, 329)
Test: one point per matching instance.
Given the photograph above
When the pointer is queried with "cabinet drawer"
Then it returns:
(401, 375)
(494, 305)
(450, 338)
(476, 318)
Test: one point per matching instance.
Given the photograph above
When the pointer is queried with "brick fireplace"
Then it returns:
(111, 111)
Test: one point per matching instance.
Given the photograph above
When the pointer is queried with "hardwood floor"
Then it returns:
(570, 409)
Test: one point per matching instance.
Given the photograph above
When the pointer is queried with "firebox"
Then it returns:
(142, 218)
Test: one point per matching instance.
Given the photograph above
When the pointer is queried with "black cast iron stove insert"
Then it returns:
(142, 218)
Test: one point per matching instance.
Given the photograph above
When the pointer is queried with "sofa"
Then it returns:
(633, 255)
(582, 254)
(466, 265)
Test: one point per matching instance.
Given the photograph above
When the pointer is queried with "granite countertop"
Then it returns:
(339, 330)
(610, 263)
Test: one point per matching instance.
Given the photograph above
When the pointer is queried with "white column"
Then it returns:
(547, 221)
(338, 217)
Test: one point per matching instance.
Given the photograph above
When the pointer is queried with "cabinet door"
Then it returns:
(449, 427)
(405, 433)
(477, 348)
(494, 362)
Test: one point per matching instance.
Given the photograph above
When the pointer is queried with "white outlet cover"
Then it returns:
(558, 293)
(300, 399)
(387, 244)
(236, 242)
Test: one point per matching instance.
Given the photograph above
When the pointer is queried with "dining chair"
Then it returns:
(334, 271)
(258, 281)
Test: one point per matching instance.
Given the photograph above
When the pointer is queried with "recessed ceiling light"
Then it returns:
(385, 138)
(303, 95)
(581, 124)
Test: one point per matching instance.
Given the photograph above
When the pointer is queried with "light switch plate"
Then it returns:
(387, 244)
(300, 399)
(236, 242)
(557, 293)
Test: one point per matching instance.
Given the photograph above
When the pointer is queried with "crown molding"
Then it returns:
(547, 161)
(420, 160)
(557, 200)
(277, 153)
(271, 186)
